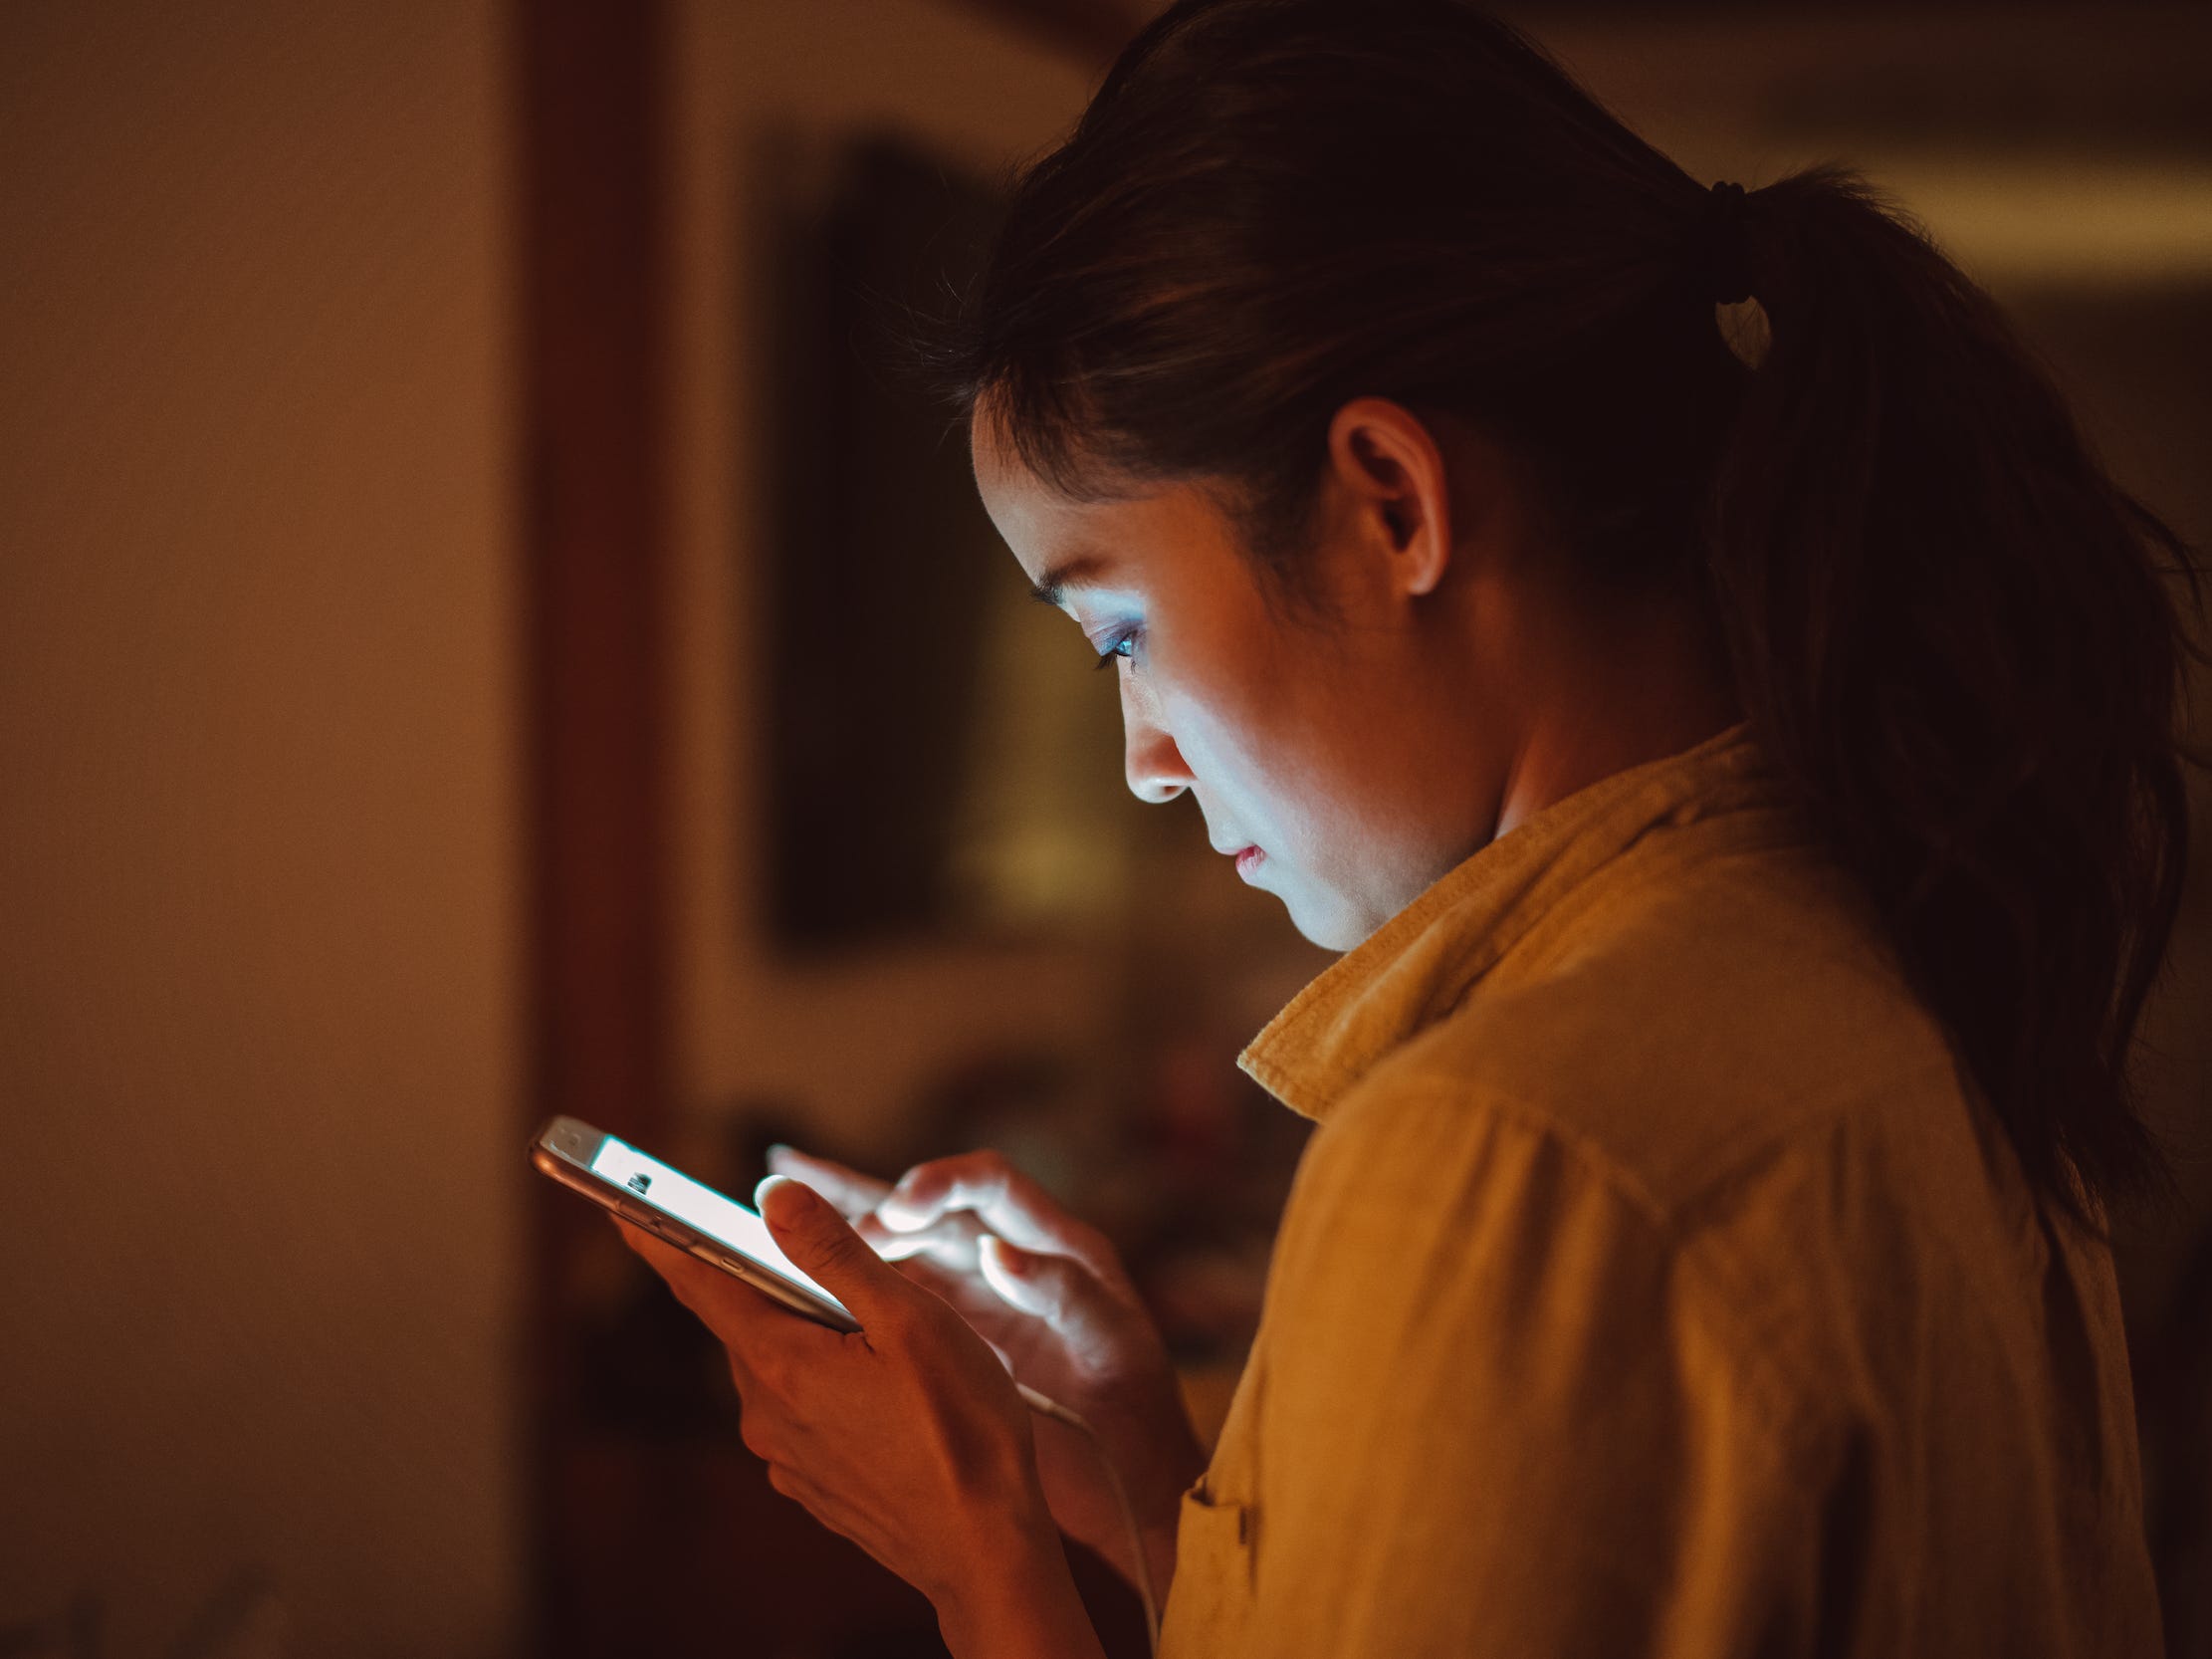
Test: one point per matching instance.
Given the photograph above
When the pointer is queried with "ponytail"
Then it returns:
(1946, 624)
(1951, 630)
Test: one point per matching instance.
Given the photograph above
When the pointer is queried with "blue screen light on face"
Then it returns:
(700, 1208)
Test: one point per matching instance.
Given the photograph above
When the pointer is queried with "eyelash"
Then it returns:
(1113, 650)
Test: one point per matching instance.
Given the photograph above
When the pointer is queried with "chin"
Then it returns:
(1334, 929)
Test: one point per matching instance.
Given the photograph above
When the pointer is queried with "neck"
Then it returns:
(1638, 683)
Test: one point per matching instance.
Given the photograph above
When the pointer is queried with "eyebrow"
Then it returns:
(1075, 572)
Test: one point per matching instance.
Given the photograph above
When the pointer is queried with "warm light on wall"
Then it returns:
(2055, 219)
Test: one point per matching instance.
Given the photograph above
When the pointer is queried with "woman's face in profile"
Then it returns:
(1302, 739)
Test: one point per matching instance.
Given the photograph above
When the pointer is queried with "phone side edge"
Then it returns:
(580, 1179)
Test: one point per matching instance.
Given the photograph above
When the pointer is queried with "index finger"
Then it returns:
(1006, 1199)
(853, 1193)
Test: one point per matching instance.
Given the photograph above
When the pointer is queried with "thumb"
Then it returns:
(823, 1245)
(1058, 1290)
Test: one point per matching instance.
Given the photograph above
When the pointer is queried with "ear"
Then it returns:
(1394, 477)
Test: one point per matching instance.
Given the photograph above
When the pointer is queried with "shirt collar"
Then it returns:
(1418, 966)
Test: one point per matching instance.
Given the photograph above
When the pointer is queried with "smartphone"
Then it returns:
(689, 1214)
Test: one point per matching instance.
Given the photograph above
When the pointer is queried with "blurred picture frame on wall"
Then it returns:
(939, 762)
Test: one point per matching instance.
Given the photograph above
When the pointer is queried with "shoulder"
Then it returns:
(1675, 1117)
(1677, 1033)
(1523, 1298)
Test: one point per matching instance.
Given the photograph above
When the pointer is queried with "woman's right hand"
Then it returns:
(1048, 1294)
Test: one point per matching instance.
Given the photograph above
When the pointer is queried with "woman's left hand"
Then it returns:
(906, 1435)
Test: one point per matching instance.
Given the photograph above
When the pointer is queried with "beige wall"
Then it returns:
(258, 835)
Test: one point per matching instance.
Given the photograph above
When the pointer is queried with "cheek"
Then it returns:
(1276, 727)
(1262, 772)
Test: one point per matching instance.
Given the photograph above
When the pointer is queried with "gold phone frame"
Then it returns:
(565, 1151)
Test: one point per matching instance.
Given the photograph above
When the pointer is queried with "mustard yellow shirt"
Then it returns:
(1654, 1284)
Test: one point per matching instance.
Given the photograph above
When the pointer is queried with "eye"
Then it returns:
(1114, 649)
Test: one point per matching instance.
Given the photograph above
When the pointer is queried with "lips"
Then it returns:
(1246, 854)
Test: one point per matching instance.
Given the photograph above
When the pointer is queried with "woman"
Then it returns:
(1748, 801)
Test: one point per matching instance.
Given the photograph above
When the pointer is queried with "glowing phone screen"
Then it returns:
(723, 1220)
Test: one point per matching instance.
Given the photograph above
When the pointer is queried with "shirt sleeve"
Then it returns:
(1505, 1413)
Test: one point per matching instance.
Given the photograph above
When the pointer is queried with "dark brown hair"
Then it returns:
(1947, 626)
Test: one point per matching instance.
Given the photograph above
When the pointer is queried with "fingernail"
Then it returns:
(772, 1183)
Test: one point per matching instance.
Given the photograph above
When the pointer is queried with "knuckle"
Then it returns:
(891, 1322)
(769, 1369)
(1088, 1241)
(965, 1169)
(844, 1249)
(898, 1325)
(753, 1429)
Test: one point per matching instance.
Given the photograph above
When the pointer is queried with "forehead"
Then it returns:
(1011, 491)
(1044, 527)
(999, 475)
(1034, 520)
(1155, 535)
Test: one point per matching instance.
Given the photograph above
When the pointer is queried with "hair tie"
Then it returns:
(1722, 248)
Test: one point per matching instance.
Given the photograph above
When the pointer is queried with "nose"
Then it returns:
(1148, 756)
